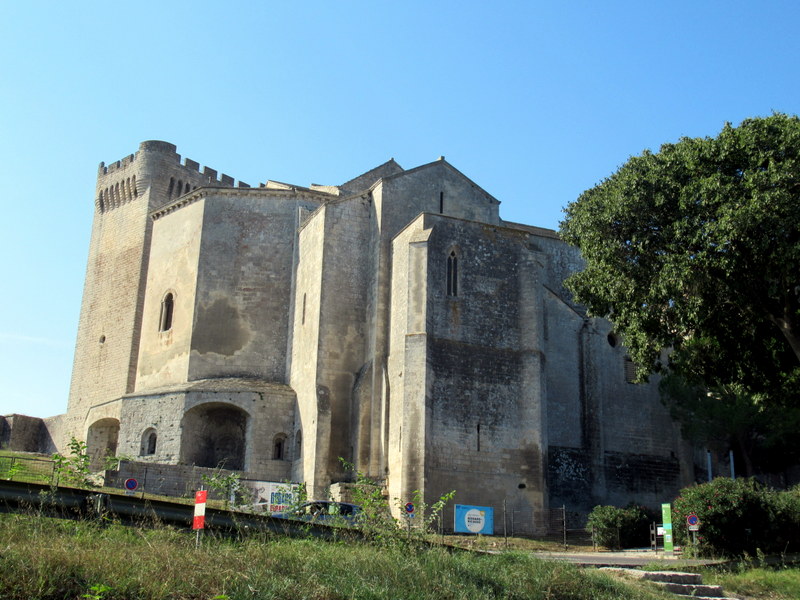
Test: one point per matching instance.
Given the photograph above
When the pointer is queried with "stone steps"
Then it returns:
(674, 582)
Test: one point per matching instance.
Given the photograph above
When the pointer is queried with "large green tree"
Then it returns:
(696, 249)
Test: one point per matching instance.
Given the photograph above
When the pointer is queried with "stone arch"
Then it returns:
(149, 442)
(214, 435)
(101, 441)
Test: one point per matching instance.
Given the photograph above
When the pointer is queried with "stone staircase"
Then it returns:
(682, 584)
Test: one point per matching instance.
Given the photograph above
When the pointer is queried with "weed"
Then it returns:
(74, 468)
(97, 592)
(226, 484)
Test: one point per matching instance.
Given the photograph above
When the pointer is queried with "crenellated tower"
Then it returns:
(107, 344)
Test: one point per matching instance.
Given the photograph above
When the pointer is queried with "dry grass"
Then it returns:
(46, 559)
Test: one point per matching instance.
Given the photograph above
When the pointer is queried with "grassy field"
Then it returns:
(758, 583)
(49, 559)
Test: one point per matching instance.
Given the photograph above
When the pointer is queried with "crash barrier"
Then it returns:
(75, 503)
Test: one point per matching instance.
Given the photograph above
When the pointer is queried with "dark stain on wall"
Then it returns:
(569, 478)
(641, 473)
(220, 329)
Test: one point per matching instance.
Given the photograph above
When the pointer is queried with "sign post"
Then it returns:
(409, 508)
(666, 518)
(693, 523)
(199, 521)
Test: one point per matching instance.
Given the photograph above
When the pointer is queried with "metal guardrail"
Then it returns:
(74, 503)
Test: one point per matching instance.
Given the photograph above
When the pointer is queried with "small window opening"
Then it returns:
(167, 308)
(171, 187)
(441, 203)
(612, 340)
(298, 444)
(279, 447)
(479, 437)
(630, 370)
(452, 274)
(303, 320)
(149, 441)
(188, 188)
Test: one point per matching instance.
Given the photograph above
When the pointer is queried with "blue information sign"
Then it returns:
(474, 519)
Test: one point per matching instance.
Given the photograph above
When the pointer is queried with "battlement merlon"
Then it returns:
(168, 154)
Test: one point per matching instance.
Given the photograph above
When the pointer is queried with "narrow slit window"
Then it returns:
(441, 203)
(279, 447)
(452, 274)
(630, 370)
(167, 308)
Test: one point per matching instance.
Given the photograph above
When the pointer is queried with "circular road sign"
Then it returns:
(692, 520)
(409, 507)
(131, 484)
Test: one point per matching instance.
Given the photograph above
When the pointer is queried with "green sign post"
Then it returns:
(666, 519)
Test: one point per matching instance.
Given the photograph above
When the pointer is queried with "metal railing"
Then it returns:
(33, 470)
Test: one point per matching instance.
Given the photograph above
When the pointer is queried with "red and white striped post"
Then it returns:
(199, 521)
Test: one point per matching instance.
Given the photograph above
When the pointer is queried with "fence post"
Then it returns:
(564, 523)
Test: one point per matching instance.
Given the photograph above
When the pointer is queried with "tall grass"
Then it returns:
(767, 583)
(42, 558)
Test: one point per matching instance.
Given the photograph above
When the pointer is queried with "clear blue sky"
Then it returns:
(534, 101)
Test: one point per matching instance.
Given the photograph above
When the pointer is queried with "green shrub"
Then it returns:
(738, 516)
(615, 527)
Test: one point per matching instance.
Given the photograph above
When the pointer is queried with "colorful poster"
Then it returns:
(474, 519)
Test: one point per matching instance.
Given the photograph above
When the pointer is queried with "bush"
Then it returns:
(616, 528)
(738, 516)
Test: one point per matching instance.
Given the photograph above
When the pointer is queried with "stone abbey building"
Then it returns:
(395, 321)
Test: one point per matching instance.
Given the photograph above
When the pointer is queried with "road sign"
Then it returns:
(199, 521)
(131, 484)
(692, 520)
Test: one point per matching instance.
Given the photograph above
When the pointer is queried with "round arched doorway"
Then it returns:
(214, 435)
(101, 441)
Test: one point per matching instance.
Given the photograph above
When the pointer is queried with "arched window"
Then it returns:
(171, 187)
(167, 308)
(149, 440)
(279, 447)
(452, 274)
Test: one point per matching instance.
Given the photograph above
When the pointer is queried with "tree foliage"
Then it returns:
(696, 248)
(761, 434)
